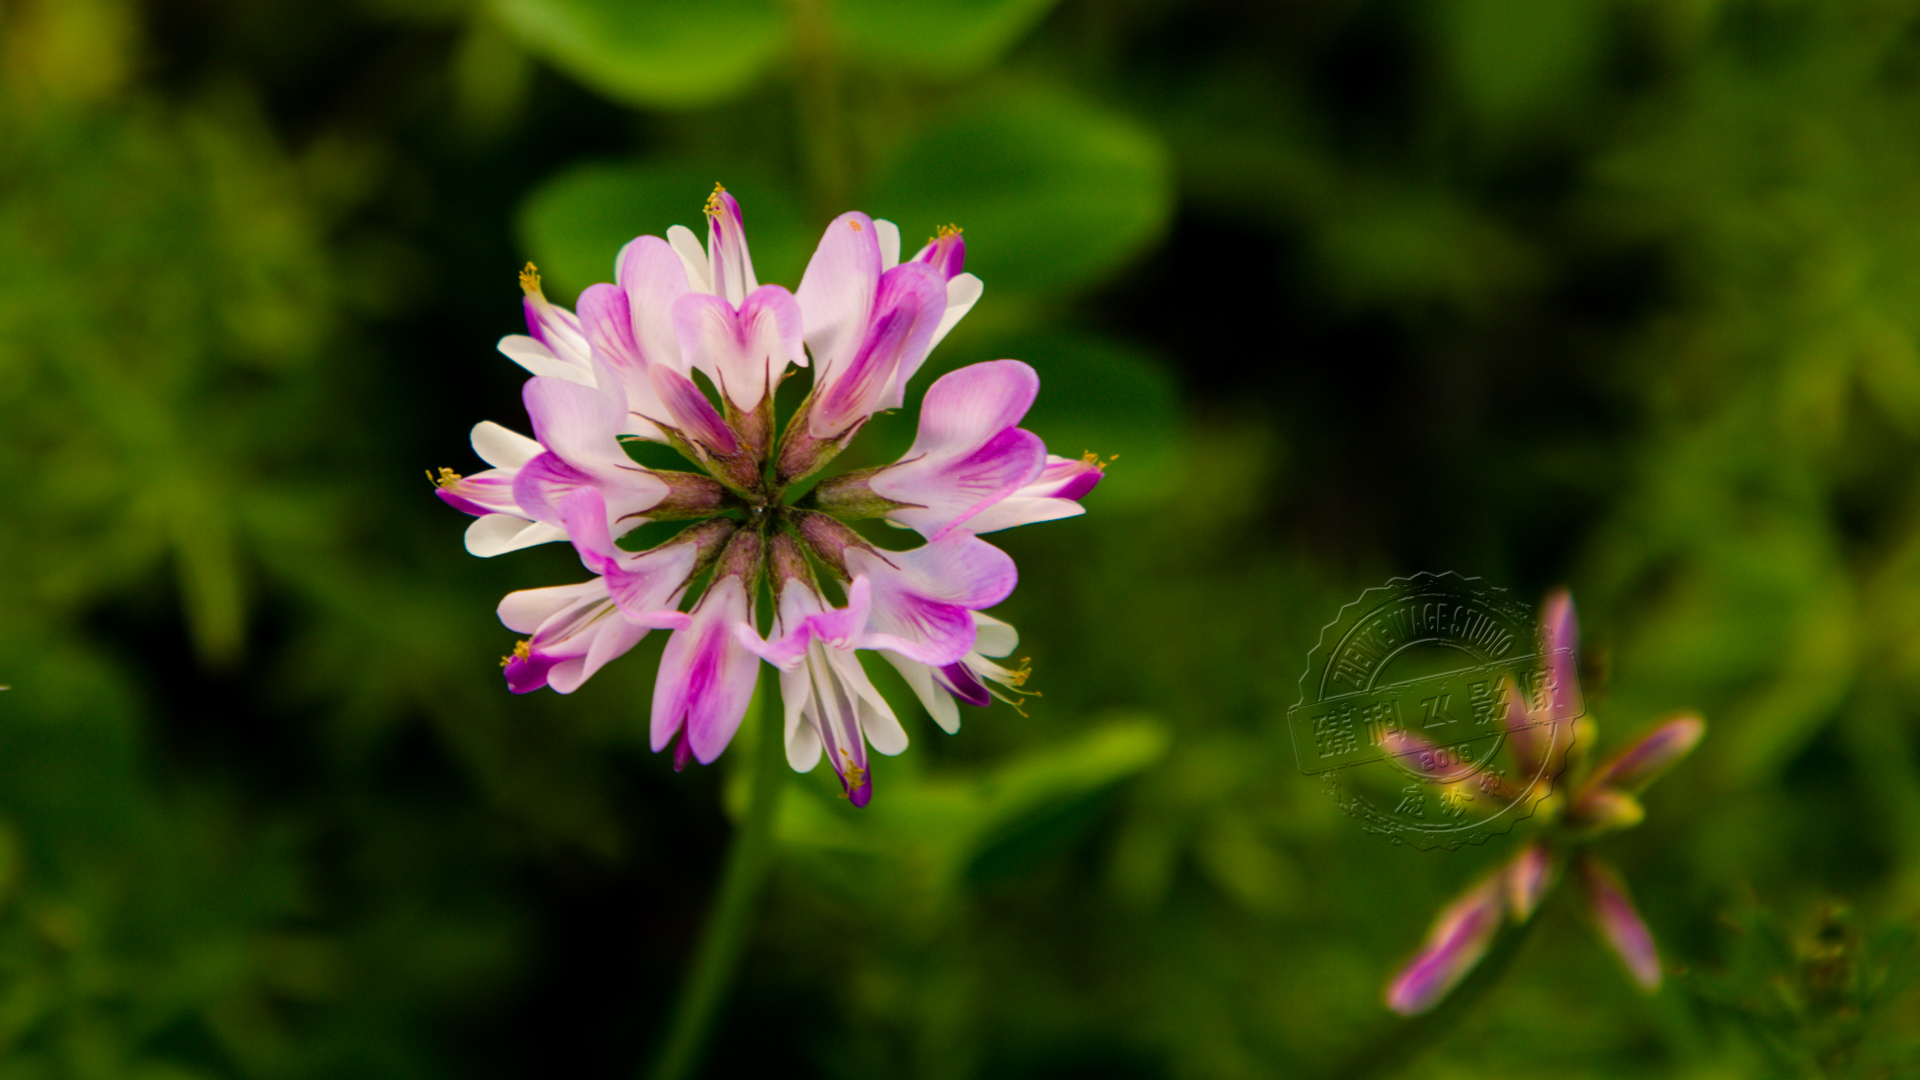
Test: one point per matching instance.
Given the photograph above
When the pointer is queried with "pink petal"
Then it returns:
(727, 254)
(706, 676)
(1619, 923)
(1527, 878)
(947, 253)
(948, 493)
(1633, 768)
(1560, 636)
(579, 423)
(744, 352)
(489, 492)
(691, 412)
(965, 408)
(1456, 942)
(906, 309)
(644, 585)
(837, 291)
(951, 472)
(922, 599)
(543, 485)
(579, 631)
(607, 321)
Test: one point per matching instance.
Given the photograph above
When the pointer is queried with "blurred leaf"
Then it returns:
(1518, 57)
(575, 223)
(1054, 193)
(941, 37)
(930, 834)
(662, 53)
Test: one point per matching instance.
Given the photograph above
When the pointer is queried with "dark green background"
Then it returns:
(1622, 294)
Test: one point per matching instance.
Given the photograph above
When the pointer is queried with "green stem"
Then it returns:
(724, 937)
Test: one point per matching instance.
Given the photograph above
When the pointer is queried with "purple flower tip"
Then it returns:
(682, 751)
(1457, 940)
(1620, 924)
(1652, 754)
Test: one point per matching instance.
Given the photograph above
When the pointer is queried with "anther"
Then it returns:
(529, 280)
(446, 478)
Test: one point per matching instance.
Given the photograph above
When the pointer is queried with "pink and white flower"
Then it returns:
(630, 363)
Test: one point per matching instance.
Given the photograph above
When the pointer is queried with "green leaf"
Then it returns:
(929, 834)
(664, 53)
(939, 37)
(1053, 192)
(574, 224)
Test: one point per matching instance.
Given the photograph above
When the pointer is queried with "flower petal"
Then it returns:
(580, 424)
(1653, 753)
(581, 630)
(744, 352)
(968, 455)
(502, 447)
(837, 291)
(1619, 923)
(497, 534)
(540, 360)
(1527, 879)
(692, 413)
(887, 234)
(934, 697)
(727, 255)
(906, 308)
(1456, 942)
(923, 599)
(706, 676)
(962, 293)
(693, 258)
(655, 278)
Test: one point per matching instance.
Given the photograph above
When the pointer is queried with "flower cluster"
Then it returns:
(1605, 801)
(628, 365)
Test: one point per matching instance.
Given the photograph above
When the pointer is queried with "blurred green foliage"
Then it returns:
(1618, 293)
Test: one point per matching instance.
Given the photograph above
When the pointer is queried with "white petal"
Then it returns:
(522, 612)
(1016, 510)
(994, 638)
(919, 677)
(883, 730)
(803, 743)
(497, 534)
(889, 236)
(540, 360)
(693, 254)
(503, 448)
(963, 291)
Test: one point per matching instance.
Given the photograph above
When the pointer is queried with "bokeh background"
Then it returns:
(1621, 294)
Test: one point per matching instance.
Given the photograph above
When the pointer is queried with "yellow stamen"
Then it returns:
(855, 774)
(1093, 459)
(713, 201)
(1020, 676)
(520, 652)
(447, 476)
(530, 280)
